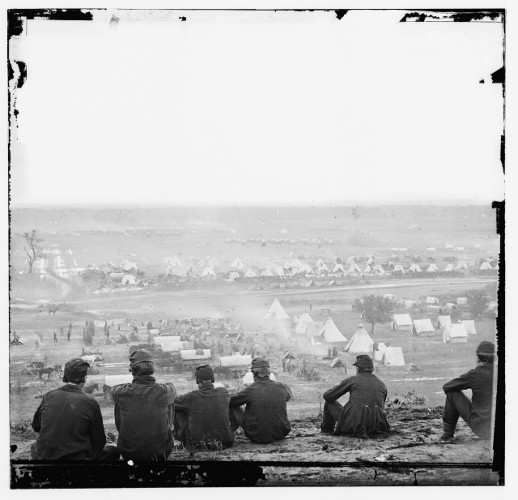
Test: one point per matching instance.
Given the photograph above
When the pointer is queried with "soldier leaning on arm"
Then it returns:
(69, 422)
(363, 415)
(144, 412)
(478, 412)
(201, 419)
(264, 419)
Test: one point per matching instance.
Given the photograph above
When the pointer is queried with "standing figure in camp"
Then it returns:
(265, 418)
(55, 339)
(363, 415)
(478, 412)
(201, 419)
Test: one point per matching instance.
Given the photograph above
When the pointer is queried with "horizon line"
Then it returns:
(464, 202)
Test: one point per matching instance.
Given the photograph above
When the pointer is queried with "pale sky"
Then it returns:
(257, 108)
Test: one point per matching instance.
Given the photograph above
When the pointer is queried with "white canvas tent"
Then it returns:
(443, 320)
(360, 342)
(303, 321)
(354, 269)
(398, 268)
(236, 360)
(379, 350)
(193, 354)
(250, 274)
(462, 301)
(485, 266)
(128, 279)
(469, 324)
(402, 322)
(454, 334)
(237, 264)
(379, 270)
(461, 265)
(432, 268)
(171, 344)
(208, 272)
(393, 356)
(432, 300)
(422, 327)
(367, 269)
(449, 268)
(267, 273)
(339, 268)
(414, 268)
(331, 334)
(276, 311)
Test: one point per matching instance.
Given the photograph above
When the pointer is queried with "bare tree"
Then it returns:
(32, 247)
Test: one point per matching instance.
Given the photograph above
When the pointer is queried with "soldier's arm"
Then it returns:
(460, 383)
(240, 398)
(288, 392)
(97, 435)
(36, 421)
(338, 391)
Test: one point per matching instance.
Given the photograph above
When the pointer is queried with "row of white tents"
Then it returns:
(209, 268)
(452, 332)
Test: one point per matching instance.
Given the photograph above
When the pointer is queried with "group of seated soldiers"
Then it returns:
(150, 416)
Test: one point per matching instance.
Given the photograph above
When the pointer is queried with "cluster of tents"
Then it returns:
(451, 332)
(210, 268)
(325, 338)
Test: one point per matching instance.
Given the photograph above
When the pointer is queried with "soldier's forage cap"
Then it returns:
(486, 348)
(139, 357)
(204, 372)
(364, 360)
(75, 370)
(260, 363)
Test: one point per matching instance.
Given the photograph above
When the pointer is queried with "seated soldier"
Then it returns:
(363, 415)
(265, 418)
(144, 413)
(477, 413)
(69, 422)
(201, 419)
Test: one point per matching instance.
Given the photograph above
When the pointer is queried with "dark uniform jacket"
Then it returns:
(144, 418)
(480, 381)
(207, 410)
(266, 418)
(70, 425)
(363, 414)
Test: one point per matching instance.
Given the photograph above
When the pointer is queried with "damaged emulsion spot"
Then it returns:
(16, 17)
(455, 16)
(21, 73)
(340, 13)
(182, 18)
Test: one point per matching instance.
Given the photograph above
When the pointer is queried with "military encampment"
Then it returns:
(255, 247)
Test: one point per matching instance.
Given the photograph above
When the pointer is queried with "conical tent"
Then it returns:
(303, 321)
(276, 311)
(414, 268)
(485, 266)
(360, 343)
(330, 333)
(250, 274)
(339, 268)
(462, 265)
(208, 272)
(449, 268)
(238, 263)
(267, 273)
(432, 268)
